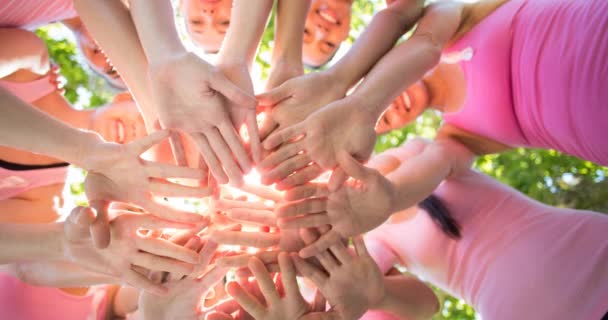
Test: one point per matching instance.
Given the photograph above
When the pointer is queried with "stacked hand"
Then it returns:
(357, 206)
(129, 250)
(196, 98)
(351, 282)
(117, 173)
(334, 129)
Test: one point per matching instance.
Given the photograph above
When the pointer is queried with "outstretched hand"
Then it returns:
(306, 149)
(117, 173)
(128, 249)
(357, 206)
(196, 98)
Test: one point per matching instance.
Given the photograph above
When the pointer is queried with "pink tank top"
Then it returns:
(517, 259)
(537, 76)
(34, 13)
(19, 300)
(14, 182)
(29, 91)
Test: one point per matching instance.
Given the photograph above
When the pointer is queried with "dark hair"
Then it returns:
(441, 215)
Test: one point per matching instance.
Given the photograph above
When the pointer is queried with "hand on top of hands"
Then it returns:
(351, 281)
(195, 98)
(359, 205)
(128, 250)
(334, 129)
(117, 173)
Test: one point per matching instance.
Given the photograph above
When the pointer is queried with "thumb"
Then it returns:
(100, 229)
(147, 142)
(353, 167)
(274, 96)
(78, 223)
(233, 93)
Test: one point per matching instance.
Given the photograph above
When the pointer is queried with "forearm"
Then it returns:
(386, 28)
(408, 298)
(122, 46)
(289, 31)
(43, 133)
(419, 176)
(59, 274)
(31, 242)
(248, 20)
(155, 24)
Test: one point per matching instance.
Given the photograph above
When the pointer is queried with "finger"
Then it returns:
(181, 237)
(309, 235)
(282, 154)
(78, 223)
(308, 221)
(307, 191)
(156, 263)
(194, 244)
(210, 280)
(250, 239)
(261, 217)
(236, 146)
(210, 158)
(100, 229)
(232, 204)
(360, 246)
(288, 275)
(264, 281)
(285, 168)
(254, 137)
(227, 306)
(207, 253)
(337, 179)
(268, 257)
(329, 263)
(177, 148)
(224, 153)
(267, 127)
(284, 135)
(149, 221)
(164, 211)
(316, 275)
(147, 142)
(235, 94)
(353, 167)
(318, 303)
(300, 177)
(322, 244)
(165, 170)
(263, 192)
(302, 207)
(274, 96)
(170, 189)
(164, 248)
(246, 300)
(341, 253)
(139, 281)
(245, 272)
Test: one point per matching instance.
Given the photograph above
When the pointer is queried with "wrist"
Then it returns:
(160, 66)
(55, 242)
(88, 148)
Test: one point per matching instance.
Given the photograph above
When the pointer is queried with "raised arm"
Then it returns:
(378, 38)
(409, 61)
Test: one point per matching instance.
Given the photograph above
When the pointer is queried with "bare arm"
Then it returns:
(408, 298)
(26, 51)
(409, 61)
(30, 242)
(57, 274)
(379, 37)
(289, 34)
(249, 19)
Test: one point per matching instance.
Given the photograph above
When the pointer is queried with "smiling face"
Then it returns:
(97, 60)
(207, 22)
(405, 109)
(327, 26)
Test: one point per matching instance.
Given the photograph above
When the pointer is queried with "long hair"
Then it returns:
(441, 215)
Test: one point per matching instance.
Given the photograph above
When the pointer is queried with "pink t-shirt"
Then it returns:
(31, 14)
(517, 259)
(19, 300)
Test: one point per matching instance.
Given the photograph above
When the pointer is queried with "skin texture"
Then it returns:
(327, 26)
(207, 22)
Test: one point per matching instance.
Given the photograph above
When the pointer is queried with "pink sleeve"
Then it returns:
(380, 251)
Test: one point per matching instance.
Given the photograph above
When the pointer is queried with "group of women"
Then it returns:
(503, 73)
